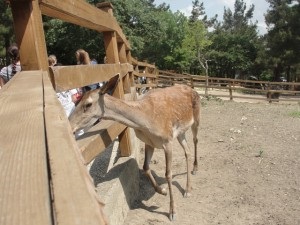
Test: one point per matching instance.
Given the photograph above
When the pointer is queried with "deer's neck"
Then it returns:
(129, 113)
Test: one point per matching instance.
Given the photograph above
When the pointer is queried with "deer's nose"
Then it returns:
(74, 129)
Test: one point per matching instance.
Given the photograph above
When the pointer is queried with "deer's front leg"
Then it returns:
(148, 155)
(168, 155)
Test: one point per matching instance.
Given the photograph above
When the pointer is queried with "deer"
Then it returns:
(158, 118)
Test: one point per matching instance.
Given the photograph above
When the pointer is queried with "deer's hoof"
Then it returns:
(172, 216)
(161, 191)
(187, 194)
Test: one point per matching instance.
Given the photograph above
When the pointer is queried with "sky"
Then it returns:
(213, 7)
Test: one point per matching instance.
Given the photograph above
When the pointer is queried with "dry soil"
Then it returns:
(249, 169)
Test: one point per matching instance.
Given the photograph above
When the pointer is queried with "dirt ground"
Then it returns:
(249, 169)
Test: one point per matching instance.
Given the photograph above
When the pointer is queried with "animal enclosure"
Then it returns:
(45, 179)
(41, 165)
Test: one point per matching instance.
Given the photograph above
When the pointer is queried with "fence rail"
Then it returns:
(41, 164)
(270, 91)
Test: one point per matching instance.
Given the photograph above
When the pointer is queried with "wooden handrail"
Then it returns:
(83, 14)
(170, 78)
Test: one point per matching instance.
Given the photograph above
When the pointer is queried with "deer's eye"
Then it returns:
(87, 106)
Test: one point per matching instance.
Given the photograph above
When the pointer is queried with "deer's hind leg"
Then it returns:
(182, 140)
(148, 155)
(195, 128)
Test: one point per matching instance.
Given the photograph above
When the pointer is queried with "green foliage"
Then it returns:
(283, 20)
(173, 41)
(6, 28)
(64, 39)
(295, 114)
(195, 43)
(198, 13)
(234, 43)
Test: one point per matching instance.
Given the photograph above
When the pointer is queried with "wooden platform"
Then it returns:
(43, 178)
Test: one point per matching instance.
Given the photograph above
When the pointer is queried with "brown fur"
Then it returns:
(158, 118)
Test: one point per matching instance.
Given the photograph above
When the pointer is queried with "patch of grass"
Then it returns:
(295, 114)
(260, 154)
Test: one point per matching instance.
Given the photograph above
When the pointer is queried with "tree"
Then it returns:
(168, 48)
(63, 39)
(283, 20)
(234, 51)
(6, 28)
(198, 13)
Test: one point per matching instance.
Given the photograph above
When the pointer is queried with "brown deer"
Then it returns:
(158, 117)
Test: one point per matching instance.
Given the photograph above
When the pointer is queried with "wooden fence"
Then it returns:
(44, 180)
(235, 88)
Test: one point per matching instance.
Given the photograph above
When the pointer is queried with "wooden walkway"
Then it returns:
(43, 179)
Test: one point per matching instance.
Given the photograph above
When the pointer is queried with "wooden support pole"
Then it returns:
(113, 56)
(128, 56)
(30, 36)
(122, 52)
(111, 47)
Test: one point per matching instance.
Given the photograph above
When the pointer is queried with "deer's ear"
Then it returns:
(110, 86)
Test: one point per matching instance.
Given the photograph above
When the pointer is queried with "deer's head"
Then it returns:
(91, 106)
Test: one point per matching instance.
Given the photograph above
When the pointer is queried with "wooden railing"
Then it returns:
(234, 88)
(145, 76)
(44, 180)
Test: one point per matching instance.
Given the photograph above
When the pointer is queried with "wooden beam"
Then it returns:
(69, 77)
(28, 26)
(74, 198)
(98, 138)
(111, 47)
(83, 14)
(24, 190)
(122, 53)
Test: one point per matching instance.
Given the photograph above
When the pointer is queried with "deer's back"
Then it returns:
(171, 110)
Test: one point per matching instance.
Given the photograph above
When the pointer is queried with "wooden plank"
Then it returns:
(98, 137)
(135, 73)
(122, 53)
(81, 13)
(24, 189)
(30, 36)
(69, 77)
(145, 85)
(111, 47)
(74, 197)
(142, 64)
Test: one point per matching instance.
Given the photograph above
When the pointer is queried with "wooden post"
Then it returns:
(230, 91)
(123, 59)
(269, 94)
(192, 82)
(128, 56)
(122, 52)
(110, 37)
(112, 56)
(29, 33)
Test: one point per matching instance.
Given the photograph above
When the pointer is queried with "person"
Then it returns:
(69, 98)
(83, 58)
(9, 71)
(52, 60)
(94, 62)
